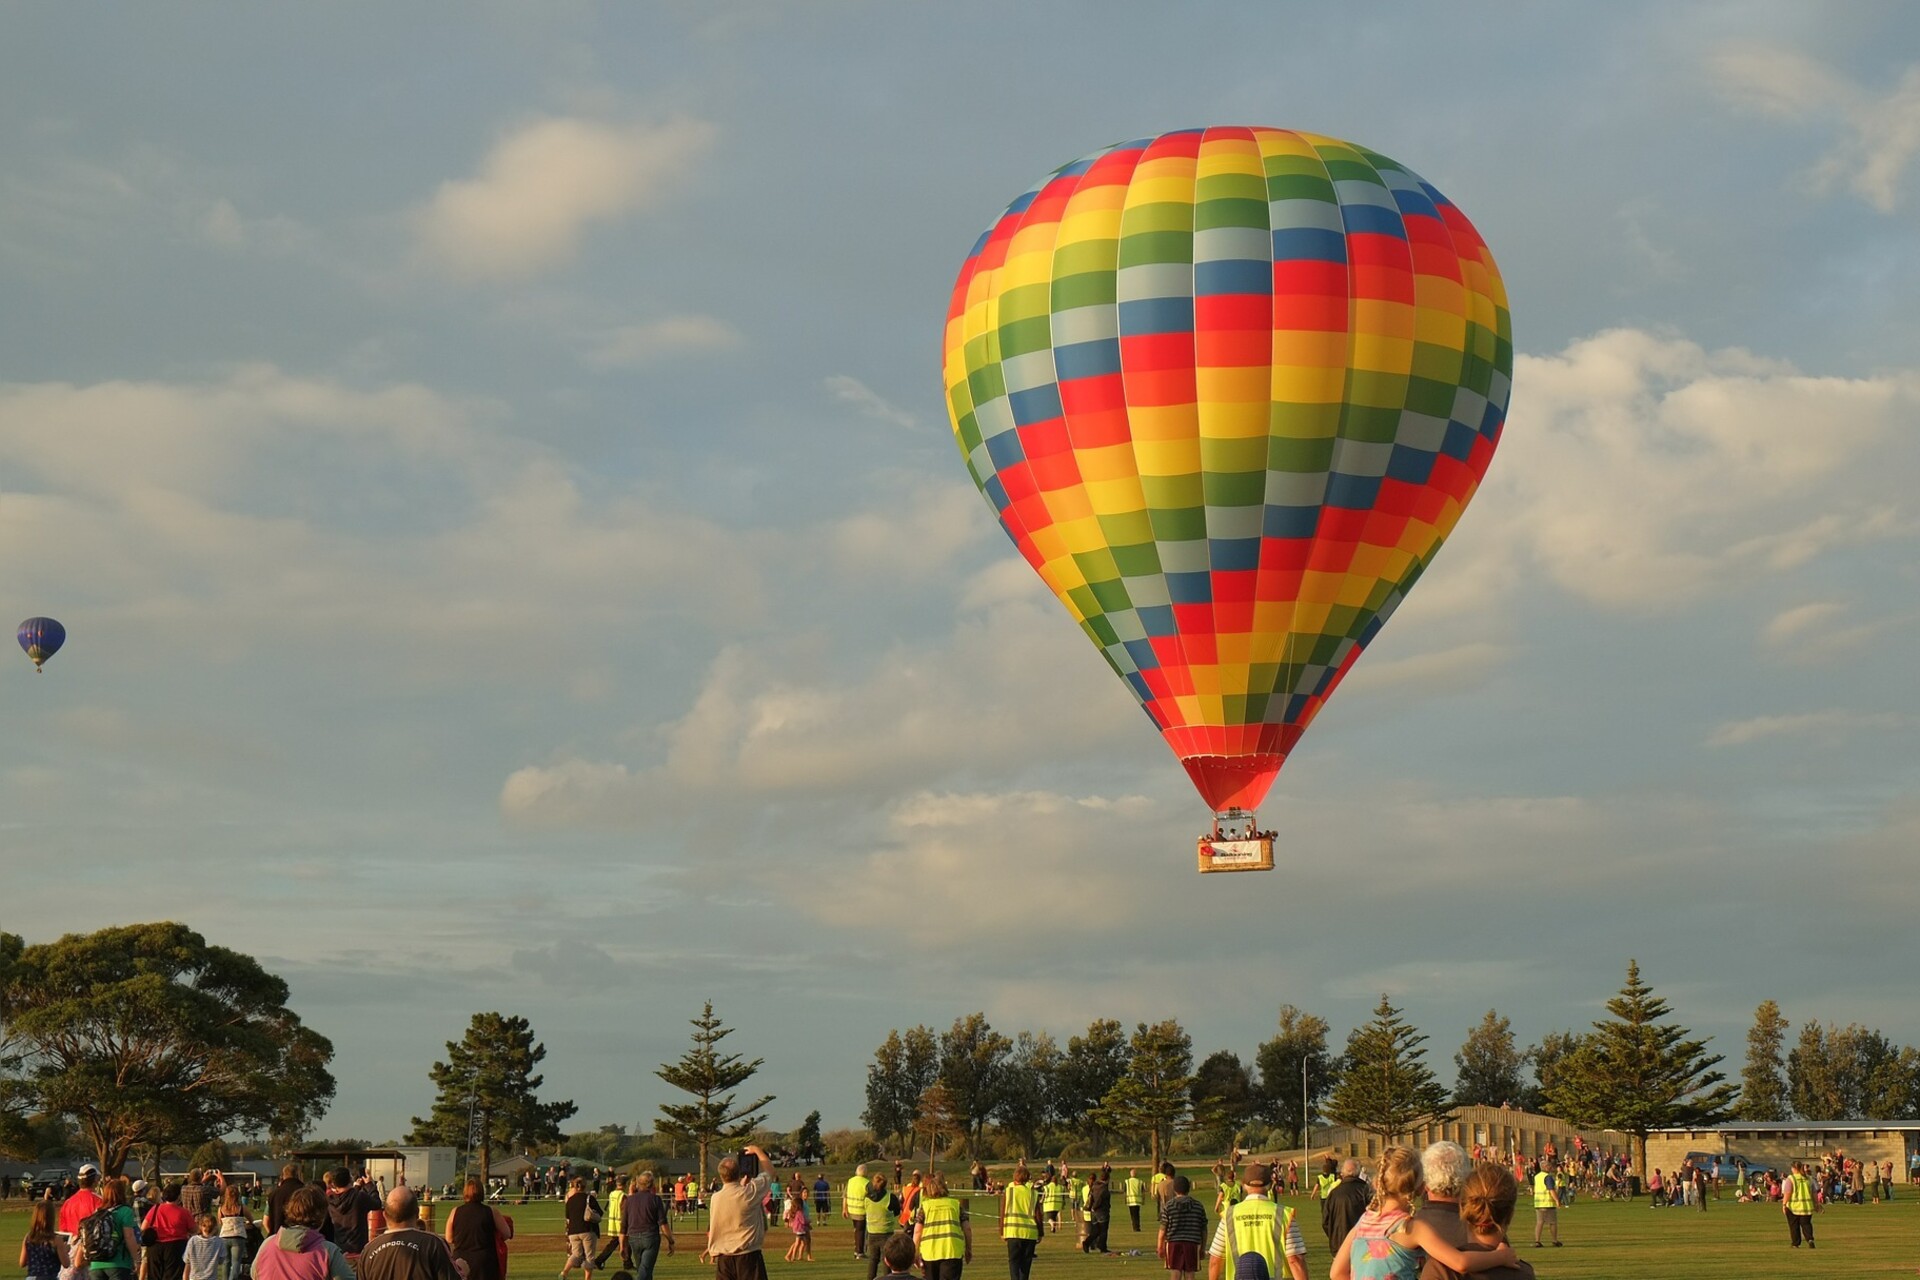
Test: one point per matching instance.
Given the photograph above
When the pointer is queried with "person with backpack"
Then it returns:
(1256, 1233)
(111, 1234)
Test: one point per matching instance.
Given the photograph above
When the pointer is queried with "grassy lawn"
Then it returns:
(1603, 1242)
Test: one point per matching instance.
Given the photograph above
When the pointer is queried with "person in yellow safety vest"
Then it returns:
(1135, 1190)
(1546, 1203)
(942, 1235)
(1158, 1190)
(881, 1208)
(1799, 1205)
(1229, 1189)
(1020, 1224)
(854, 1209)
(1329, 1178)
(1255, 1224)
(1055, 1199)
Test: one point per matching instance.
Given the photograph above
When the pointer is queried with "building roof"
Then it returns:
(1798, 1126)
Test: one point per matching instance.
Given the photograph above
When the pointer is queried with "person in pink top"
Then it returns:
(297, 1251)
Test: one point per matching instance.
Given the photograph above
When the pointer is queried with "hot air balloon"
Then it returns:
(1228, 390)
(41, 638)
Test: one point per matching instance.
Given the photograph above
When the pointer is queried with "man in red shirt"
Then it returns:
(79, 1206)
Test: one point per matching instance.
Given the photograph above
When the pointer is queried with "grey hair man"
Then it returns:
(1444, 1167)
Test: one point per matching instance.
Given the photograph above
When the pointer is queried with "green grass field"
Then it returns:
(1603, 1242)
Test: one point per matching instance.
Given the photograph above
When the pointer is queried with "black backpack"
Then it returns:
(101, 1235)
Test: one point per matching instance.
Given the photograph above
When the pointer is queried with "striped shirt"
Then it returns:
(1184, 1220)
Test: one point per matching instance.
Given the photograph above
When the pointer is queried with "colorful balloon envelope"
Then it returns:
(41, 638)
(1228, 390)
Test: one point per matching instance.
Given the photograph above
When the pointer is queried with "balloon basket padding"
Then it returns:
(1222, 855)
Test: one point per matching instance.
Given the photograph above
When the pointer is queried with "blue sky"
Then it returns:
(494, 474)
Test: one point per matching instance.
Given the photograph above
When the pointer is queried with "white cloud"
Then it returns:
(1006, 863)
(297, 508)
(1880, 135)
(1012, 686)
(867, 402)
(624, 346)
(545, 183)
(1640, 471)
(1828, 726)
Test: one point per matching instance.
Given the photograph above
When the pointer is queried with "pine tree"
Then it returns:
(1155, 1092)
(710, 1076)
(1763, 1083)
(1386, 1087)
(807, 1144)
(1634, 1073)
(487, 1094)
(1491, 1068)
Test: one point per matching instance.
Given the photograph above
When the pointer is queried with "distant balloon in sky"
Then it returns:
(1228, 390)
(41, 638)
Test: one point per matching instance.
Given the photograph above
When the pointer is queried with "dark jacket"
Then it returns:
(1444, 1217)
(1341, 1209)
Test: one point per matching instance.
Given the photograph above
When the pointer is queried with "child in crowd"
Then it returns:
(204, 1251)
(78, 1265)
(801, 1250)
(40, 1248)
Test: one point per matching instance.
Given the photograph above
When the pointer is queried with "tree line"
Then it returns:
(142, 1038)
(1633, 1071)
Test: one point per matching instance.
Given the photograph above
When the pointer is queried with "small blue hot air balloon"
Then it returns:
(41, 638)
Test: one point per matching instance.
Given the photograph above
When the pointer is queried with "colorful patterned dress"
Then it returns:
(1376, 1255)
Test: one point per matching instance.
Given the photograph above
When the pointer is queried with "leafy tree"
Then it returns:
(1763, 1084)
(710, 1076)
(1027, 1088)
(1554, 1050)
(938, 1118)
(1491, 1069)
(972, 1055)
(212, 1155)
(902, 1068)
(147, 1034)
(1635, 1072)
(1385, 1086)
(1156, 1090)
(1851, 1073)
(806, 1139)
(1093, 1064)
(1222, 1097)
(487, 1095)
(1283, 1092)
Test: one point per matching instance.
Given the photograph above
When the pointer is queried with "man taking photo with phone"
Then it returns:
(739, 1223)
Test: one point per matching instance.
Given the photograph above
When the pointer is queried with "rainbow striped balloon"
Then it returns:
(1228, 390)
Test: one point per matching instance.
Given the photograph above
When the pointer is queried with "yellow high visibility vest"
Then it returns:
(1799, 1195)
(1056, 1196)
(856, 1201)
(1257, 1225)
(1328, 1181)
(940, 1236)
(880, 1223)
(1133, 1191)
(1018, 1218)
(613, 1209)
(1543, 1197)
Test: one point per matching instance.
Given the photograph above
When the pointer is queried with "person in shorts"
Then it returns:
(583, 1228)
(1183, 1230)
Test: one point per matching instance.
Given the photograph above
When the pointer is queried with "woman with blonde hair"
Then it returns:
(1389, 1244)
